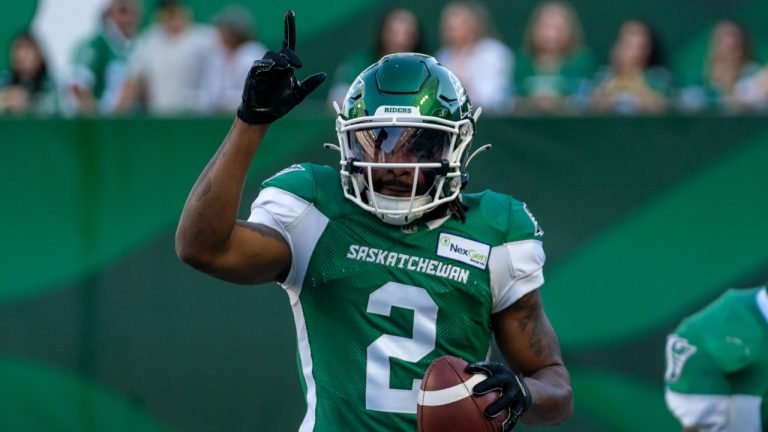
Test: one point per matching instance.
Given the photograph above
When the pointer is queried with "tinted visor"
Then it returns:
(400, 145)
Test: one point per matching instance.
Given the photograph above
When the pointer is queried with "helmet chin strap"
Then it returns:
(389, 203)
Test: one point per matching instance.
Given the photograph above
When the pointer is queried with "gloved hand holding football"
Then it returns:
(515, 395)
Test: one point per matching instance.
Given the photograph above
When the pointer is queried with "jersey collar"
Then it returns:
(413, 227)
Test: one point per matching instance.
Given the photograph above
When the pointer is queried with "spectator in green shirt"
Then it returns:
(729, 63)
(100, 61)
(553, 71)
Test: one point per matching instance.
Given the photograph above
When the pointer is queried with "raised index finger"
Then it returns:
(289, 37)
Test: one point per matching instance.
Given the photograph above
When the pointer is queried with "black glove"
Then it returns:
(271, 89)
(514, 393)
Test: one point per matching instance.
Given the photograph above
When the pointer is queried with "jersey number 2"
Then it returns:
(378, 395)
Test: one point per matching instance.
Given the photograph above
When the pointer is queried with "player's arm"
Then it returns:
(538, 392)
(529, 344)
(209, 236)
(700, 364)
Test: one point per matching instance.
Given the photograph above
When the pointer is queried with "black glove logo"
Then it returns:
(271, 88)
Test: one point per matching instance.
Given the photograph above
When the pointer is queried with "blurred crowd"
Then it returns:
(176, 66)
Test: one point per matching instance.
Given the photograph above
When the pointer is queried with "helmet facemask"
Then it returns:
(401, 167)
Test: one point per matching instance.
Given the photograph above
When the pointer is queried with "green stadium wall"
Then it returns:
(102, 328)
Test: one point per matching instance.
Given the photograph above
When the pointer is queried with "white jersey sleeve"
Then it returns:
(516, 270)
(298, 221)
(716, 413)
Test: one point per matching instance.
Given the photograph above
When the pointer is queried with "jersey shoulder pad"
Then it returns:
(729, 329)
(297, 179)
(508, 217)
(318, 184)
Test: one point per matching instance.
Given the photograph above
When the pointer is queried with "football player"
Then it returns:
(717, 365)
(387, 265)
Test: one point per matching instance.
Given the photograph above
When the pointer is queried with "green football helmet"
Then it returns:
(405, 113)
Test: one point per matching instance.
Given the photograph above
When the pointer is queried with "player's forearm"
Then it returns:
(552, 396)
(210, 212)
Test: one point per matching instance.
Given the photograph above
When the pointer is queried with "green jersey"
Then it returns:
(568, 79)
(375, 304)
(100, 65)
(717, 365)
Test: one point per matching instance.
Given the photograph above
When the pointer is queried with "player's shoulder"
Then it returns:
(731, 304)
(317, 184)
(731, 329)
(502, 215)
(300, 179)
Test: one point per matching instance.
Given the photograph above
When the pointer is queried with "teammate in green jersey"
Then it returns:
(391, 267)
(717, 365)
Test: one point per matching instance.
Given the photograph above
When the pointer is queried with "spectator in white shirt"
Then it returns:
(166, 68)
(483, 64)
(227, 67)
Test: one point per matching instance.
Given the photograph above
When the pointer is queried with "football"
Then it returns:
(446, 402)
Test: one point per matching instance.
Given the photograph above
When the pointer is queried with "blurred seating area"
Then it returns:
(156, 58)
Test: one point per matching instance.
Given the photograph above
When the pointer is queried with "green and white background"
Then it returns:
(102, 328)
